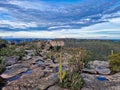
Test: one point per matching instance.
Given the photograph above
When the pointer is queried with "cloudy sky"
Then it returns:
(97, 19)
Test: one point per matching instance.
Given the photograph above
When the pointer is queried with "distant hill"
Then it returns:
(99, 49)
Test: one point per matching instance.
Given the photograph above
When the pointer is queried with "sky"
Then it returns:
(84, 19)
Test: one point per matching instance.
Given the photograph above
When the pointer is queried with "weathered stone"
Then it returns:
(112, 82)
(13, 71)
(97, 64)
(55, 87)
(11, 60)
(26, 82)
(30, 52)
(92, 71)
(103, 70)
(47, 82)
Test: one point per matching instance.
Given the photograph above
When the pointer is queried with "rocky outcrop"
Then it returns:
(27, 81)
(57, 43)
(91, 71)
(11, 60)
(100, 67)
(29, 54)
(97, 64)
(13, 71)
(112, 82)
(104, 71)
(48, 82)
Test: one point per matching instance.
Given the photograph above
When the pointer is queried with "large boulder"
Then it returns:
(101, 67)
(97, 64)
(105, 82)
(103, 70)
(13, 71)
(49, 81)
(91, 71)
(11, 60)
(55, 87)
(27, 81)
(29, 54)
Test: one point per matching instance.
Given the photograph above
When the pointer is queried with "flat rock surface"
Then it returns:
(26, 82)
(97, 64)
(112, 82)
(13, 70)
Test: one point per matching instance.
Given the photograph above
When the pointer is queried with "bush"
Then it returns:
(114, 60)
(2, 63)
(73, 81)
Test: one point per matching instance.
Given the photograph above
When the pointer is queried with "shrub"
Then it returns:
(2, 63)
(61, 72)
(114, 60)
(73, 81)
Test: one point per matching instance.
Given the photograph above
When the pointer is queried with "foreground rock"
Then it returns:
(26, 82)
(98, 67)
(11, 60)
(13, 71)
(97, 64)
(49, 81)
(2, 82)
(109, 82)
(104, 71)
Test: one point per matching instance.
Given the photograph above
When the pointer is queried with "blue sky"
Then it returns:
(88, 19)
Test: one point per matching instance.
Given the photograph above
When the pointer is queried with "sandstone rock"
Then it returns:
(30, 52)
(55, 87)
(92, 71)
(26, 82)
(47, 82)
(13, 71)
(97, 64)
(103, 70)
(47, 46)
(11, 60)
(91, 82)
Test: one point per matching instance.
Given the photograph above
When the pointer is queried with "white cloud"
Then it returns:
(115, 20)
(104, 30)
(29, 4)
(21, 25)
(55, 27)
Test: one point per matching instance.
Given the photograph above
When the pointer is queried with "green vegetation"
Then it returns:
(114, 60)
(72, 79)
(2, 63)
(99, 49)
(10, 51)
(61, 72)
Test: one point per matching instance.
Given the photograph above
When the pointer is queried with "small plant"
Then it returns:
(112, 52)
(72, 81)
(114, 60)
(61, 72)
(2, 63)
(2, 60)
